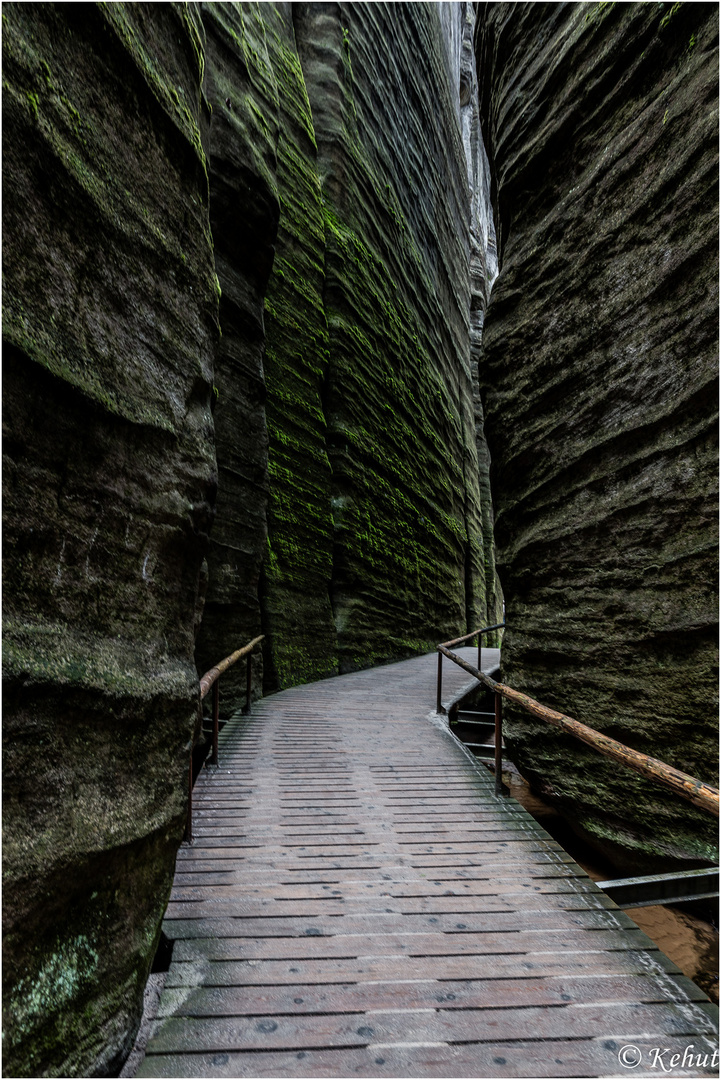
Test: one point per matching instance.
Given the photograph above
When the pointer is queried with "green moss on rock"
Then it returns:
(301, 639)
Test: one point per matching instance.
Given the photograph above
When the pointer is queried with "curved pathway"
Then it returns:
(357, 902)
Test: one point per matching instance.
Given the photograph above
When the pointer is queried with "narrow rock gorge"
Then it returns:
(238, 399)
(256, 334)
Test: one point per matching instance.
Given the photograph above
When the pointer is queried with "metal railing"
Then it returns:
(443, 650)
(210, 681)
(688, 787)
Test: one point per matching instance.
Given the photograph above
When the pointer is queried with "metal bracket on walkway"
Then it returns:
(652, 889)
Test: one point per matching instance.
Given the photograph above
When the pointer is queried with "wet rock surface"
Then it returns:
(109, 328)
(599, 383)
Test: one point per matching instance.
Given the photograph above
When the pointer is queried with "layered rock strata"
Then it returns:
(110, 323)
(297, 614)
(383, 85)
(600, 390)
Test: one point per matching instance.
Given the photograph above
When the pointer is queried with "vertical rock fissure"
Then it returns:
(483, 270)
(244, 211)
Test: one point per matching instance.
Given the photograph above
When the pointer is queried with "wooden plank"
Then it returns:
(553, 1058)
(535, 869)
(500, 966)
(237, 897)
(626, 1021)
(363, 922)
(417, 888)
(521, 844)
(306, 999)
(218, 939)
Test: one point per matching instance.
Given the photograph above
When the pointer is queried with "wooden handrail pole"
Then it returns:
(480, 647)
(499, 743)
(466, 637)
(215, 672)
(688, 787)
(439, 705)
(248, 684)
(216, 710)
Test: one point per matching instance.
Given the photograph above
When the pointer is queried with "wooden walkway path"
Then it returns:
(357, 902)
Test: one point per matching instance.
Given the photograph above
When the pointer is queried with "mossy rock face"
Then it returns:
(243, 94)
(365, 406)
(110, 313)
(599, 382)
(408, 561)
(297, 616)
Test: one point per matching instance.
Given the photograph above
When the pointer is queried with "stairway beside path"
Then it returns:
(358, 902)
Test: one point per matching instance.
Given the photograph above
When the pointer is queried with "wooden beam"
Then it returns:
(215, 672)
(688, 787)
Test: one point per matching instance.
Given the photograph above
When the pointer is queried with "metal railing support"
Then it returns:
(499, 743)
(687, 787)
(248, 684)
(216, 710)
(673, 888)
(189, 820)
(439, 704)
(210, 681)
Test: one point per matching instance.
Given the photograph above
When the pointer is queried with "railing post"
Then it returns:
(216, 709)
(248, 683)
(480, 647)
(499, 742)
(189, 819)
(439, 706)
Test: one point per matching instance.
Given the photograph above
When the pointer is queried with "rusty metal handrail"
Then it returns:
(688, 787)
(210, 681)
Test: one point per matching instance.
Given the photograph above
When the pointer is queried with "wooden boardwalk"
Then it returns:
(357, 902)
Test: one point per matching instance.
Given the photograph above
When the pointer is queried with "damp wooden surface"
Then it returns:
(358, 902)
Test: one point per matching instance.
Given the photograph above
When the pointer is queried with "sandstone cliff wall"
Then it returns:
(378, 541)
(110, 323)
(297, 613)
(383, 86)
(600, 390)
(244, 128)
